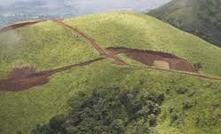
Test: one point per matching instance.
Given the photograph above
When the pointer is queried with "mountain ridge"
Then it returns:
(188, 104)
(200, 17)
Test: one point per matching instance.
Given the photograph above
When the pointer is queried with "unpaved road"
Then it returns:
(92, 42)
(24, 79)
(19, 25)
(203, 76)
(28, 79)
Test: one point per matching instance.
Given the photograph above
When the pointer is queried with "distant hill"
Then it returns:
(104, 96)
(200, 17)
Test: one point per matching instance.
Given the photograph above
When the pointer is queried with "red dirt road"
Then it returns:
(92, 42)
(19, 25)
(200, 76)
(27, 77)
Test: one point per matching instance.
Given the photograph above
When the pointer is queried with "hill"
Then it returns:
(178, 102)
(200, 17)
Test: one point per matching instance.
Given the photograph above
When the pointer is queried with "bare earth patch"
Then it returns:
(161, 64)
(27, 77)
(24, 78)
(153, 58)
(19, 25)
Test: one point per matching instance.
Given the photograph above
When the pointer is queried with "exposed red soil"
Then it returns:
(19, 25)
(92, 42)
(27, 77)
(151, 57)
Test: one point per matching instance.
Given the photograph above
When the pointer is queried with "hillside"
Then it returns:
(200, 17)
(79, 65)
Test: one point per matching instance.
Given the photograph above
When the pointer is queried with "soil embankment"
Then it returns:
(156, 59)
(24, 78)
(19, 25)
(27, 77)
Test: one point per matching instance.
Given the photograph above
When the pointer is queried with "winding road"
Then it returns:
(40, 78)
(92, 42)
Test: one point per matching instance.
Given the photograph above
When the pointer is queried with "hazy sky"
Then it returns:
(93, 4)
(16, 10)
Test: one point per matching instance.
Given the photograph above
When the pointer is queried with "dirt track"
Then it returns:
(19, 25)
(207, 77)
(27, 77)
(92, 42)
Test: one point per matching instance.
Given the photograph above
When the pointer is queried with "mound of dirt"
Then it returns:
(156, 59)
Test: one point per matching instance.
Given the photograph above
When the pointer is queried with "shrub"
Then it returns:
(109, 110)
(198, 66)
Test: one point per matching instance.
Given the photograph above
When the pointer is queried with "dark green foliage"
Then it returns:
(176, 117)
(19, 132)
(108, 111)
(55, 126)
(181, 90)
(187, 105)
(200, 17)
(198, 66)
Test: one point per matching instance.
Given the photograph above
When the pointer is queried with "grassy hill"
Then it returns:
(191, 105)
(200, 17)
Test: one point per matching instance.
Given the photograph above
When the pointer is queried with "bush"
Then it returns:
(198, 66)
(107, 111)
(182, 90)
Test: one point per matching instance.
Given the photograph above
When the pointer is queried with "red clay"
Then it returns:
(27, 77)
(19, 25)
(151, 57)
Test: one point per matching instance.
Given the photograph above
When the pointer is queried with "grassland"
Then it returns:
(200, 17)
(47, 45)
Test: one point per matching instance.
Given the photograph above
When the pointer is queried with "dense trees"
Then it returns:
(107, 111)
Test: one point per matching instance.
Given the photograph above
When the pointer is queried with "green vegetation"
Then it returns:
(191, 105)
(109, 110)
(200, 17)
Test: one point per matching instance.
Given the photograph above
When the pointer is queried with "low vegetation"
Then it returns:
(110, 110)
(190, 105)
(199, 17)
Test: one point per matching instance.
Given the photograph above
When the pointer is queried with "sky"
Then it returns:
(14, 10)
(94, 4)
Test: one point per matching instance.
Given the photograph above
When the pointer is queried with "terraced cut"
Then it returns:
(25, 78)
(157, 59)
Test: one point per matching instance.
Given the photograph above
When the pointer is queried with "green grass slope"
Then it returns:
(200, 17)
(47, 45)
